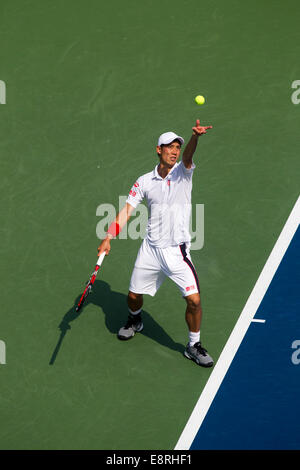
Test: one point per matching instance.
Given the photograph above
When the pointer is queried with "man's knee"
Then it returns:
(193, 301)
(133, 296)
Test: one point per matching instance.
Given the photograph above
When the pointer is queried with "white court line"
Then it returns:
(239, 331)
(258, 320)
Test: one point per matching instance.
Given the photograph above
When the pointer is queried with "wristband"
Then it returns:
(114, 229)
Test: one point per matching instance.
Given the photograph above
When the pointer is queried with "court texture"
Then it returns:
(89, 87)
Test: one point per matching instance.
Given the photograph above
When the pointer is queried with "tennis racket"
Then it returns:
(90, 283)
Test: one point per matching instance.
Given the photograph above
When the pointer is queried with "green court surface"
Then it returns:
(90, 85)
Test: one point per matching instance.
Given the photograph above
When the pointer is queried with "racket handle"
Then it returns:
(101, 258)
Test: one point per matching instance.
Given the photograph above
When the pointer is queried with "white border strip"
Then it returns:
(239, 331)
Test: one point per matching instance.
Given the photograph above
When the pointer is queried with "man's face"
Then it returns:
(170, 153)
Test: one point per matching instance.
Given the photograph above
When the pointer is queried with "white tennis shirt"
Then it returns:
(169, 204)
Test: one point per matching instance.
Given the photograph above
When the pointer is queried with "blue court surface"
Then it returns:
(257, 405)
(251, 399)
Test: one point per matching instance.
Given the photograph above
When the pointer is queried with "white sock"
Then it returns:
(194, 337)
(136, 312)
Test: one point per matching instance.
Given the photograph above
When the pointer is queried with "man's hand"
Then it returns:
(199, 130)
(104, 246)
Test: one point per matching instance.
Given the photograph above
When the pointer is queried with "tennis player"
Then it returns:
(165, 251)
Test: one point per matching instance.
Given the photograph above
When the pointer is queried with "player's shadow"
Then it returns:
(114, 306)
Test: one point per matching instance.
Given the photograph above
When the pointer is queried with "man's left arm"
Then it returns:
(187, 157)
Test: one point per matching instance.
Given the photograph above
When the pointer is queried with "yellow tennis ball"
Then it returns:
(200, 99)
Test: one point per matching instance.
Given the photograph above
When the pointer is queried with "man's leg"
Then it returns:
(193, 313)
(180, 269)
(193, 316)
(134, 323)
(135, 302)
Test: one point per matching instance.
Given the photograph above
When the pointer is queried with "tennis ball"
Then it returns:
(200, 99)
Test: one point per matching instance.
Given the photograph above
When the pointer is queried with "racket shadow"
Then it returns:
(114, 307)
(64, 326)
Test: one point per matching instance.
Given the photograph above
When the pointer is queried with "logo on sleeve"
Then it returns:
(132, 192)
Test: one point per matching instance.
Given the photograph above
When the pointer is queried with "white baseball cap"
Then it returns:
(168, 137)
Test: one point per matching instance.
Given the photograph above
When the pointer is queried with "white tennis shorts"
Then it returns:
(153, 264)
